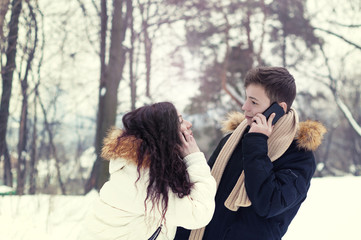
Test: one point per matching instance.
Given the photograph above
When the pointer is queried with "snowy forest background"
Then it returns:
(71, 68)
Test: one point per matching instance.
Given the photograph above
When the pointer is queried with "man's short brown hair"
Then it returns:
(278, 83)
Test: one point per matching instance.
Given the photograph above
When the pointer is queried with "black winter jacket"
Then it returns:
(276, 190)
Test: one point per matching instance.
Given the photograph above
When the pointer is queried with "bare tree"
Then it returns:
(8, 71)
(241, 35)
(144, 12)
(336, 93)
(332, 28)
(111, 75)
(339, 36)
(23, 130)
(33, 149)
(53, 148)
(132, 78)
(91, 24)
(4, 6)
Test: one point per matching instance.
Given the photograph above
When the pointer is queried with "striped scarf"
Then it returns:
(283, 134)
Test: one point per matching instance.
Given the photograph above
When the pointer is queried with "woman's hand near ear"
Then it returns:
(189, 144)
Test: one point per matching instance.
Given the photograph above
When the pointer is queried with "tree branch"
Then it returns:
(339, 36)
(85, 14)
(344, 109)
(345, 25)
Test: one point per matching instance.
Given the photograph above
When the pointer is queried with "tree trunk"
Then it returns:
(4, 6)
(108, 91)
(148, 55)
(92, 181)
(284, 42)
(23, 134)
(21, 165)
(25, 96)
(132, 80)
(147, 45)
(33, 170)
(8, 176)
(8, 71)
(261, 44)
(223, 71)
(52, 147)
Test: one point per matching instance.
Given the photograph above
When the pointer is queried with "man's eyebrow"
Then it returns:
(253, 98)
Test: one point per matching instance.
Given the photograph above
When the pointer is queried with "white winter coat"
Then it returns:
(120, 213)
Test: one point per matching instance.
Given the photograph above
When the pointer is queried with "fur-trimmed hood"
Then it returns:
(309, 134)
(115, 146)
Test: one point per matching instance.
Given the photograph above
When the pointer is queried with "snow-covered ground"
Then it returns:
(331, 211)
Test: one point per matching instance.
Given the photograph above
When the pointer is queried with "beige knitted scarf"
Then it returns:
(283, 134)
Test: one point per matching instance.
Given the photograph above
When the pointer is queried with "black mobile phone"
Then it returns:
(274, 108)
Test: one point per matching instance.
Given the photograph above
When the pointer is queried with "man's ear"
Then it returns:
(284, 106)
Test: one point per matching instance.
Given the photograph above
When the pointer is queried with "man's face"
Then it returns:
(256, 101)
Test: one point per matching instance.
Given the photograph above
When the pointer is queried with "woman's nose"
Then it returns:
(188, 124)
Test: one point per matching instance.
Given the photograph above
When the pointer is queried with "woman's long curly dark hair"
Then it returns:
(158, 127)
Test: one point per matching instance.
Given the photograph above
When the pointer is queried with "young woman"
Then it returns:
(157, 176)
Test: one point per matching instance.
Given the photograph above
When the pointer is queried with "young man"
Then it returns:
(263, 171)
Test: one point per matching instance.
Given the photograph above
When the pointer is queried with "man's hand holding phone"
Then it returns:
(263, 122)
(262, 125)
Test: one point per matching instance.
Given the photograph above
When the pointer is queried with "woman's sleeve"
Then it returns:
(196, 209)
